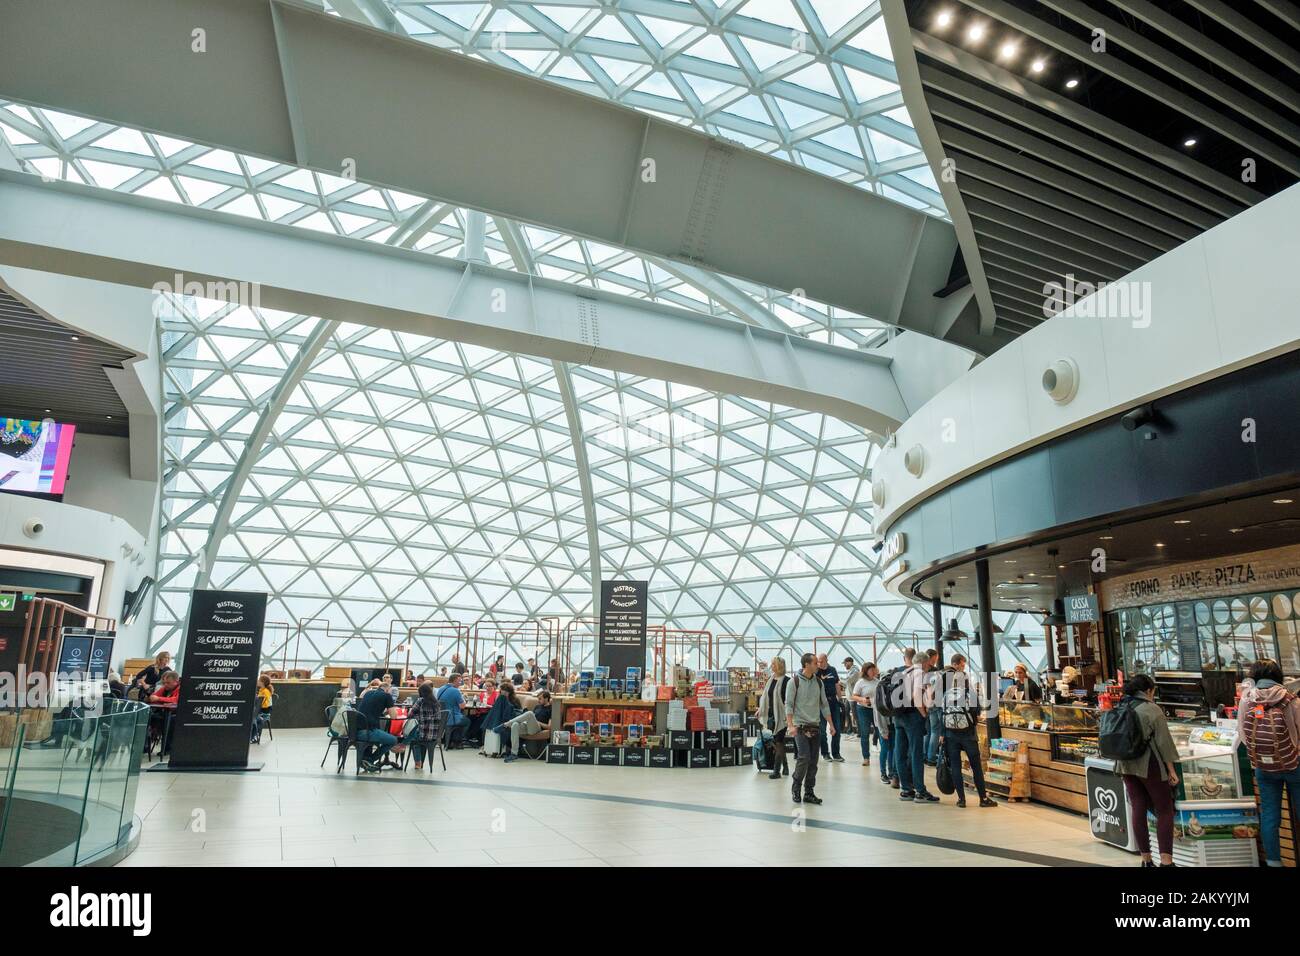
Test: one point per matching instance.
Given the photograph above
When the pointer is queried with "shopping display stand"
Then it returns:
(1007, 769)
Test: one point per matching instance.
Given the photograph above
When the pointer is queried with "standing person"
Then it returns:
(959, 710)
(807, 709)
(832, 726)
(909, 729)
(1268, 720)
(771, 715)
(1150, 776)
(851, 674)
(1023, 686)
(934, 723)
(863, 699)
(457, 667)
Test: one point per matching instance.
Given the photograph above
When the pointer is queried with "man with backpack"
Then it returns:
(908, 692)
(806, 708)
(959, 707)
(1268, 721)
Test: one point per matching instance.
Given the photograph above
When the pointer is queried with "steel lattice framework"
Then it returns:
(405, 478)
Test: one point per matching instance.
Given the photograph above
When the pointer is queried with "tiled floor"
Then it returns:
(483, 812)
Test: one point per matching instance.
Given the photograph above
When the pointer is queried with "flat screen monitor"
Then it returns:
(34, 455)
(134, 601)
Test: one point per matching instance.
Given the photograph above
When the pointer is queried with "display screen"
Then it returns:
(34, 455)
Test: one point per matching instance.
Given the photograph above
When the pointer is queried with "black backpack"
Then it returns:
(1121, 736)
(889, 691)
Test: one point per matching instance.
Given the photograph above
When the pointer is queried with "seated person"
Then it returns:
(453, 702)
(375, 704)
(517, 678)
(150, 677)
(533, 670)
(504, 708)
(489, 695)
(529, 722)
(262, 709)
(165, 696)
(424, 710)
(116, 689)
(168, 692)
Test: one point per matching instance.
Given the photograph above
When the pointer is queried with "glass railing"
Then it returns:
(69, 783)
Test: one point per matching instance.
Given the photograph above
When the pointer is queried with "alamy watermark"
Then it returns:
(247, 294)
(1124, 299)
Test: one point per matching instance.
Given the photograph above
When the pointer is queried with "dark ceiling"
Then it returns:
(1189, 114)
(1031, 577)
(48, 370)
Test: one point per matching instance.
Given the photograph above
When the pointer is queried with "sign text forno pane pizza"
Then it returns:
(223, 647)
(622, 625)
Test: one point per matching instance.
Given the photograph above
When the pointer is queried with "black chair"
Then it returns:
(335, 738)
(434, 739)
(357, 722)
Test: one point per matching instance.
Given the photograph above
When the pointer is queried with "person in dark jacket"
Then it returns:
(504, 708)
(1025, 687)
(527, 722)
(955, 687)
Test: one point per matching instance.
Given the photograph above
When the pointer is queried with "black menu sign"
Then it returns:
(223, 645)
(622, 625)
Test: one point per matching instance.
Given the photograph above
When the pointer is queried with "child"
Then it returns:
(262, 712)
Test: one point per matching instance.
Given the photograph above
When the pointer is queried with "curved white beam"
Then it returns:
(76, 230)
(281, 80)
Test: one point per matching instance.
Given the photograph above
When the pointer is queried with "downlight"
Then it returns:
(1061, 381)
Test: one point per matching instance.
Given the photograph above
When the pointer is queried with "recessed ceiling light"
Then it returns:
(1160, 544)
(943, 19)
(1009, 561)
(1061, 567)
(1190, 142)
(1283, 501)
(1182, 521)
(1071, 84)
(1234, 531)
(1107, 537)
(76, 338)
(109, 417)
(1038, 66)
(1008, 51)
(976, 32)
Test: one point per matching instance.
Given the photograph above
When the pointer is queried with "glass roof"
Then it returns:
(810, 81)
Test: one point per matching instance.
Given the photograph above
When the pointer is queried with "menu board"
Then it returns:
(223, 645)
(622, 625)
(84, 653)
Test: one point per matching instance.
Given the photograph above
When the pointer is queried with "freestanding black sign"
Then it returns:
(223, 646)
(622, 625)
(1107, 804)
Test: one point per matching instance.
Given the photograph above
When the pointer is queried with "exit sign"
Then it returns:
(7, 601)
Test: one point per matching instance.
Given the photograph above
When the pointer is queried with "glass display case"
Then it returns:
(1053, 718)
(1210, 764)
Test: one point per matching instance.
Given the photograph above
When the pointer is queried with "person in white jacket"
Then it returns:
(771, 715)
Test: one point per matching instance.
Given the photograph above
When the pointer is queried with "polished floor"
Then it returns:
(482, 812)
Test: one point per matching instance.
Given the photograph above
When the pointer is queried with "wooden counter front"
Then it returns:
(1054, 782)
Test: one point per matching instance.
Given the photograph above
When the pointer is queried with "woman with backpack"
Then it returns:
(771, 715)
(1268, 721)
(1147, 765)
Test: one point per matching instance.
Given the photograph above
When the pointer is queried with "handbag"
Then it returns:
(943, 778)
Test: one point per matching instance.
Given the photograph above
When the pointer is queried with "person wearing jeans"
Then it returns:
(806, 707)
(958, 711)
(830, 742)
(1265, 701)
(909, 726)
(862, 699)
(529, 722)
(888, 766)
(1150, 777)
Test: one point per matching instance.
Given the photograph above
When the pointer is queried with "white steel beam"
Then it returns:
(282, 80)
(76, 230)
